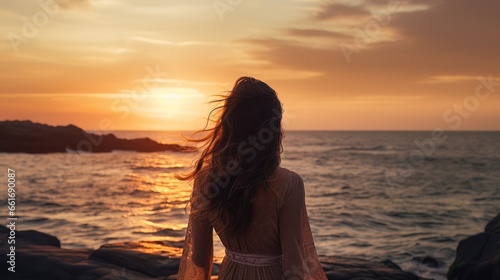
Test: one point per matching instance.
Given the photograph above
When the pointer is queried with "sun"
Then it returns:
(177, 104)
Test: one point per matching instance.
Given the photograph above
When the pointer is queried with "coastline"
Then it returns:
(39, 256)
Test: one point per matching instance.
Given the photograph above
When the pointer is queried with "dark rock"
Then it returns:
(39, 256)
(129, 255)
(49, 262)
(28, 237)
(340, 268)
(478, 257)
(29, 137)
(493, 225)
(42, 258)
(391, 264)
(428, 261)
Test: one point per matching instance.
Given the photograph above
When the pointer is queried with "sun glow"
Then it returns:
(172, 103)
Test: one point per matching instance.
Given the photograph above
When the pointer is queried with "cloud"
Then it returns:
(69, 4)
(335, 10)
(168, 43)
(438, 54)
(316, 33)
(460, 28)
(360, 10)
(453, 38)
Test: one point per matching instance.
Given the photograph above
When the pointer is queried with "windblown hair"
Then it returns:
(241, 153)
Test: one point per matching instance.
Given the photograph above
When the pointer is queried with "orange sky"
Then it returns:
(339, 65)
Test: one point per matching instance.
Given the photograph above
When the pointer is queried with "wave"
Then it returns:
(51, 204)
(153, 168)
(35, 220)
(361, 148)
(170, 232)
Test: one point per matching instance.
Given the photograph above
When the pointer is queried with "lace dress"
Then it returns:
(277, 245)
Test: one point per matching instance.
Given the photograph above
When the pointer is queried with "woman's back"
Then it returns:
(278, 241)
(262, 235)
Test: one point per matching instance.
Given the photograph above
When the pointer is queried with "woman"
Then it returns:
(256, 207)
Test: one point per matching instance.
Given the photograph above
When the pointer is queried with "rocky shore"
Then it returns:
(40, 256)
(36, 138)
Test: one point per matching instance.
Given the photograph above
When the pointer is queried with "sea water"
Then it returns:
(370, 195)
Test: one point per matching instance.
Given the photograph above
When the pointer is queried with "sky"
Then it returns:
(336, 65)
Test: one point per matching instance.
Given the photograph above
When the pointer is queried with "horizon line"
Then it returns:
(289, 130)
(304, 130)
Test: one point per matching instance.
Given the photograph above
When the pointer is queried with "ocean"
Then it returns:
(401, 196)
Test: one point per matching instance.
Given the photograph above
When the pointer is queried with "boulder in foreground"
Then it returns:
(478, 257)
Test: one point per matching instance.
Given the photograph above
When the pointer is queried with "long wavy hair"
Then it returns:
(241, 152)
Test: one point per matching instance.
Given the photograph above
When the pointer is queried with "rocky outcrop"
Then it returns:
(29, 137)
(478, 257)
(132, 256)
(340, 268)
(40, 256)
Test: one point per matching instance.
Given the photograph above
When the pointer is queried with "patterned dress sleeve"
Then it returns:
(197, 255)
(300, 260)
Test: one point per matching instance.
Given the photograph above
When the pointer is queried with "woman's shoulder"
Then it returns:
(289, 185)
(287, 180)
(289, 174)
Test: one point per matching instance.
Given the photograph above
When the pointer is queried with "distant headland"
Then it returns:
(36, 138)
